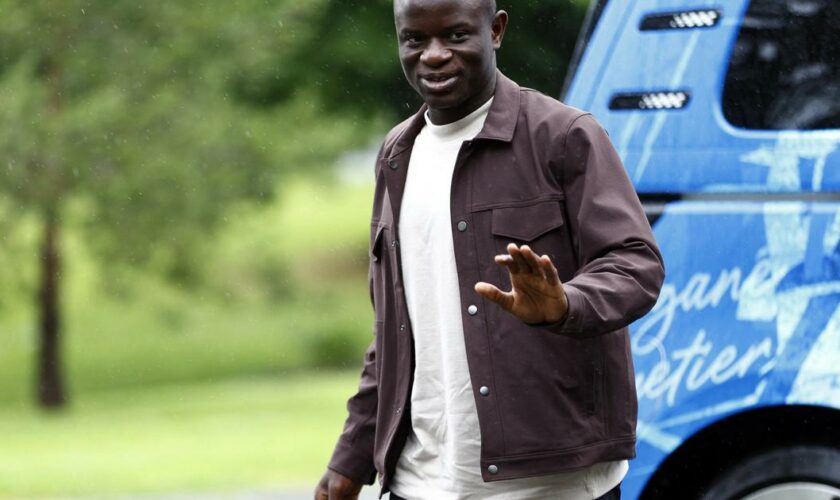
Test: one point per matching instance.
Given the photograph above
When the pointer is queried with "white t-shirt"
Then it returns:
(441, 458)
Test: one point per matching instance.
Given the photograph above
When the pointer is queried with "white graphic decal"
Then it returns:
(791, 290)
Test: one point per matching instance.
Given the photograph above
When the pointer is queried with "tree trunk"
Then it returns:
(50, 383)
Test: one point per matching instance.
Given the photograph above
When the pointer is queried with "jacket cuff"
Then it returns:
(348, 461)
(572, 324)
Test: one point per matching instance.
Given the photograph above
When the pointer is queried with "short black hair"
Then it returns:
(489, 7)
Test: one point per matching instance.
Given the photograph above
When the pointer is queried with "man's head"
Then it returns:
(447, 50)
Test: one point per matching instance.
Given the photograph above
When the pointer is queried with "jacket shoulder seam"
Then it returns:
(566, 144)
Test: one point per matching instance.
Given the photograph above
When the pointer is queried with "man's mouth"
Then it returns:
(438, 82)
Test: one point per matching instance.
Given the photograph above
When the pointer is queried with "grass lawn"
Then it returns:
(232, 435)
(178, 388)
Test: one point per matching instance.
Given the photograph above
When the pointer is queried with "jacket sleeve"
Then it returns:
(620, 268)
(353, 454)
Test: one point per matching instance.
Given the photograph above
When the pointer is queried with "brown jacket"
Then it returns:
(550, 398)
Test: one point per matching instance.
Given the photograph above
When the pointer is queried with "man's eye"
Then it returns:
(458, 36)
(413, 40)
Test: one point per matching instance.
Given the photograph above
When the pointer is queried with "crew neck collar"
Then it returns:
(455, 129)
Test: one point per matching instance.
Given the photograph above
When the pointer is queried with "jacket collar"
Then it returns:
(499, 125)
(502, 117)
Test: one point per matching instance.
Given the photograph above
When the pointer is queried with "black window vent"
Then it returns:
(650, 101)
(683, 20)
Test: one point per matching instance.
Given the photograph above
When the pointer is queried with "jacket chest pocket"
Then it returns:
(379, 270)
(376, 237)
(542, 227)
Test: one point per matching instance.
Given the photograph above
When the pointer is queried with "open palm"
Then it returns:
(536, 295)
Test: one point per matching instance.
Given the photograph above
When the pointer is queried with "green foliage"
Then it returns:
(335, 347)
(162, 117)
(312, 239)
(159, 134)
(158, 335)
(350, 56)
(540, 40)
(284, 290)
(146, 114)
(159, 137)
(18, 270)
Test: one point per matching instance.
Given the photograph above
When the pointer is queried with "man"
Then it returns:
(470, 390)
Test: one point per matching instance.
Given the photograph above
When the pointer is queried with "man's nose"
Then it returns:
(435, 54)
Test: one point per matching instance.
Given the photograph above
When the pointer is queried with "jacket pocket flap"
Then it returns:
(376, 236)
(529, 222)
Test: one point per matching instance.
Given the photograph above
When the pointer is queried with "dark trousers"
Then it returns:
(613, 494)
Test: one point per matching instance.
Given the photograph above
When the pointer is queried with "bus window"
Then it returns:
(784, 72)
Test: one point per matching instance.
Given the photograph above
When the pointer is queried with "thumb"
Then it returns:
(490, 292)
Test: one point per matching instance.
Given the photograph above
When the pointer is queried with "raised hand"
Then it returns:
(537, 295)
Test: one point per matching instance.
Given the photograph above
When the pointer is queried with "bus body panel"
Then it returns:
(693, 149)
(749, 315)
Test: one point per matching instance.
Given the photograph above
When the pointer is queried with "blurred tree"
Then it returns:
(156, 117)
(131, 108)
(350, 56)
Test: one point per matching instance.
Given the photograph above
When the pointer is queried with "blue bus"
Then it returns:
(727, 117)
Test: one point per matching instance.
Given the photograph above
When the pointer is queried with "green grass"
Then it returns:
(210, 387)
(222, 436)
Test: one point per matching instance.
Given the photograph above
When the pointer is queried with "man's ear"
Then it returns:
(497, 29)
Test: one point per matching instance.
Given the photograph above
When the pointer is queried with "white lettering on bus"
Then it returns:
(695, 366)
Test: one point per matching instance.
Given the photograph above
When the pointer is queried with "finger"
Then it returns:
(321, 490)
(507, 261)
(345, 494)
(336, 491)
(490, 292)
(532, 259)
(549, 271)
(516, 253)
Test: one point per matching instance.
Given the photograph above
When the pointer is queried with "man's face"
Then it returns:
(447, 52)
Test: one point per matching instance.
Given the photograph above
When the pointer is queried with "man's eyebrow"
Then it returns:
(448, 29)
(458, 26)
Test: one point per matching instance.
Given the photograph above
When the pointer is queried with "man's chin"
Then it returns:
(442, 102)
